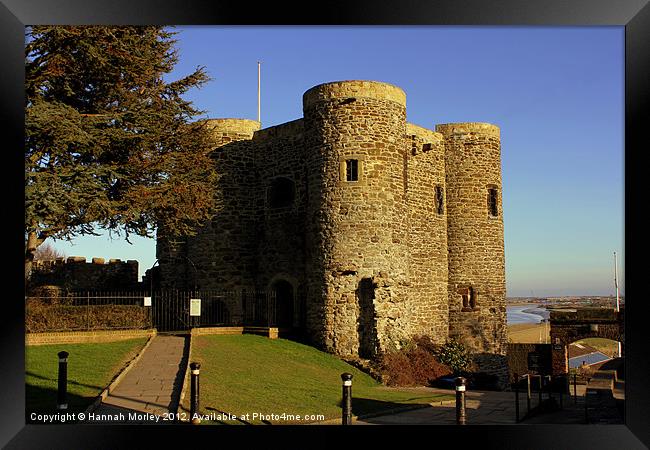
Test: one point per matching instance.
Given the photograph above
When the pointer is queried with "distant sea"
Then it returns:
(526, 314)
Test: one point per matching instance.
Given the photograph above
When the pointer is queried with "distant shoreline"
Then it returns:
(533, 311)
(518, 303)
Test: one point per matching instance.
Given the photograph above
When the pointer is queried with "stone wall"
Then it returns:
(85, 337)
(573, 325)
(281, 216)
(77, 274)
(428, 302)
(518, 359)
(475, 242)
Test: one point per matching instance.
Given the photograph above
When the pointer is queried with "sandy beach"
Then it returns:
(528, 333)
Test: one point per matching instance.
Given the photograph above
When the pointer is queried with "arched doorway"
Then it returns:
(284, 303)
(571, 325)
(366, 320)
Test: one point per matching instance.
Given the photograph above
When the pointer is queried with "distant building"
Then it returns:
(585, 355)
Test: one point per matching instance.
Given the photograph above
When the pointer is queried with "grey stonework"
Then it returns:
(370, 262)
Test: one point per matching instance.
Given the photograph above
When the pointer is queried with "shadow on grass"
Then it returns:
(368, 406)
(55, 381)
(39, 400)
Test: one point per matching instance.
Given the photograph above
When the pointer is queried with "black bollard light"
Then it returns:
(62, 392)
(194, 394)
(460, 400)
(575, 388)
(346, 418)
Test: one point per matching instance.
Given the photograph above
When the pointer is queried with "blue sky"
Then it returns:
(557, 93)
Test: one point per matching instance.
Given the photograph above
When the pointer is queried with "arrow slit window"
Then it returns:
(352, 170)
(440, 202)
(493, 206)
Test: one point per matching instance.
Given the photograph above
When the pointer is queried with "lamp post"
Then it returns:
(618, 305)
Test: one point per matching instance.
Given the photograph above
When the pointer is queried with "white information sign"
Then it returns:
(195, 307)
(147, 301)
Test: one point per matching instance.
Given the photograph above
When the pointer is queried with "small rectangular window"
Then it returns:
(352, 170)
(492, 202)
(440, 202)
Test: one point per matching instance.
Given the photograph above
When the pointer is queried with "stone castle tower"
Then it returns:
(370, 229)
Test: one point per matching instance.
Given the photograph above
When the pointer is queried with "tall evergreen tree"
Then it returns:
(109, 142)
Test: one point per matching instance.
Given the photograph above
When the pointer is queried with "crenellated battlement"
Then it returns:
(289, 129)
(81, 259)
(76, 273)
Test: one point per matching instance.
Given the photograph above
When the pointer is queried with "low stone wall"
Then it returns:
(272, 332)
(216, 330)
(85, 337)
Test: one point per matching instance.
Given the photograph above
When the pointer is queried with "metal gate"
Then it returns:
(171, 309)
(259, 308)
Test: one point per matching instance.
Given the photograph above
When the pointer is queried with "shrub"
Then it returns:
(42, 317)
(414, 365)
(456, 356)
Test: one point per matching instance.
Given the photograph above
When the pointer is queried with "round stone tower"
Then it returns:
(477, 311)
(356, 216)
(222, 254)
(230, 130)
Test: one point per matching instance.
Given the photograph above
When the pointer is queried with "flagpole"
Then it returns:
(618, 305)
(259, 72)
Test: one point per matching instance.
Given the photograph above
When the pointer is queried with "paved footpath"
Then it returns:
(482, 408)
(152, 386)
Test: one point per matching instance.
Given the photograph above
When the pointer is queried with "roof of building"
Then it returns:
(577, 349)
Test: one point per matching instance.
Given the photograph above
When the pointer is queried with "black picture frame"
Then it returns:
(634, 15)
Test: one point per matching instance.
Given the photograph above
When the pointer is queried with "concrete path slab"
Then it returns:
(151, 388)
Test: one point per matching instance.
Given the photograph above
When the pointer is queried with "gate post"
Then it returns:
(528, 394)
(516, 386)
(586, 408)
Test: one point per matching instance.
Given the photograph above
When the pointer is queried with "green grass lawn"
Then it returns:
(91, 367)
(251, 374)
(606, 346)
